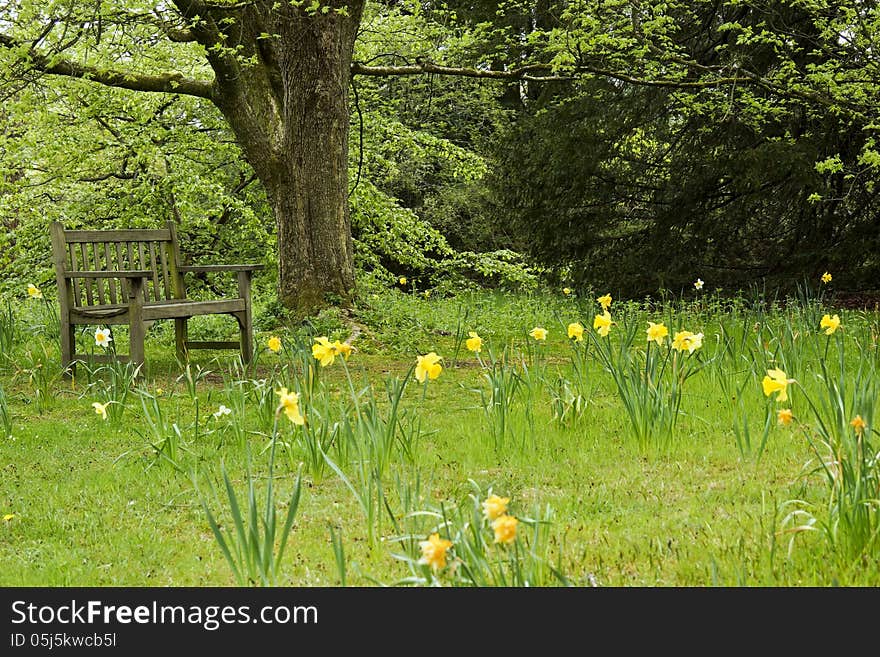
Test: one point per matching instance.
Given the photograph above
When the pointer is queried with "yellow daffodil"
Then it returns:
(538, 333)
(698, 284)
(159, 392)
(826, 277)
(426, 293)
(566, 291)
(505, 529)
(402, 280)
(576, 331)
(342, 349)
(602, 323)
(102, 337)
(784, 416)
(687, 341)
(657, 333)
(604, 301)
(434, 551)
(858, 424)
(274, 343)
(289, 403)
(34, 292)
(428, 366)
(8, 517)
(101, 409)
(776, 381)
(323, 351)
(830, 323)
(474, 342)
(495, 506)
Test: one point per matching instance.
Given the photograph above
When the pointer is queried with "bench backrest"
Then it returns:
(155, 250)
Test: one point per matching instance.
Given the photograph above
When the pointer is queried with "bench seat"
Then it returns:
(164, 309)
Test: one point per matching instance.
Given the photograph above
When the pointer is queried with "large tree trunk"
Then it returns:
(290, 114)
(310, 193)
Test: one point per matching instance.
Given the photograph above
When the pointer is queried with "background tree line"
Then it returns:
(654, 143)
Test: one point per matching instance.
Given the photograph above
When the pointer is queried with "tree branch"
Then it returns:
(421, 67)
(180, 36)
(172, 82)
(668, 83)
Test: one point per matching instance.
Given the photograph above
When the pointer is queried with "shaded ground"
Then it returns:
(858, 300)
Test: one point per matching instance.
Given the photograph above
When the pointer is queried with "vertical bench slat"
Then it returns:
(155, 267)
(87, 284)
(120, 262)
(74, 266)
(142, 264)
(131, 263)
(99, 266)
(166, 277)
(108, 254)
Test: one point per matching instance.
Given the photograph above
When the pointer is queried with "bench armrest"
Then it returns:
(198, 269)
(122, 273)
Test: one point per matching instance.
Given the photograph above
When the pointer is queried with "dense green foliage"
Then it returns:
(732, 140)
(735, 140)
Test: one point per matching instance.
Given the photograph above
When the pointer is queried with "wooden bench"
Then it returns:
(135, 277)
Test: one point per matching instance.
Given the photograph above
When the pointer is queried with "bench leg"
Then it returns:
(181, 335)
(245, 325)
(136, 328)
(68, 344)
(245, 320)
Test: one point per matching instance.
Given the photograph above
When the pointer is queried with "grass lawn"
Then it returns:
(626, 463)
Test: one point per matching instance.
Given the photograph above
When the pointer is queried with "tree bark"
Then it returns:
(310, 193)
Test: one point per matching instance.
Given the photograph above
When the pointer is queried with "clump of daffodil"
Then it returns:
(102, 337)
(342, 349)
(687, 341)
(657, 333)
(858, 424)
(101, 409)
(505, 528)
(434, 551)
(326, 352)
(776, 381)
(223, 410)
(576, 331)
(538, 333)
(288, 403)
(274, 344)
(602, 323)
(474, 342)
(428, 367)
(495, 506)
(34, 292)
(830, 323)
(826, 277)
(323, 351)
(784, 416)
(604, 301)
